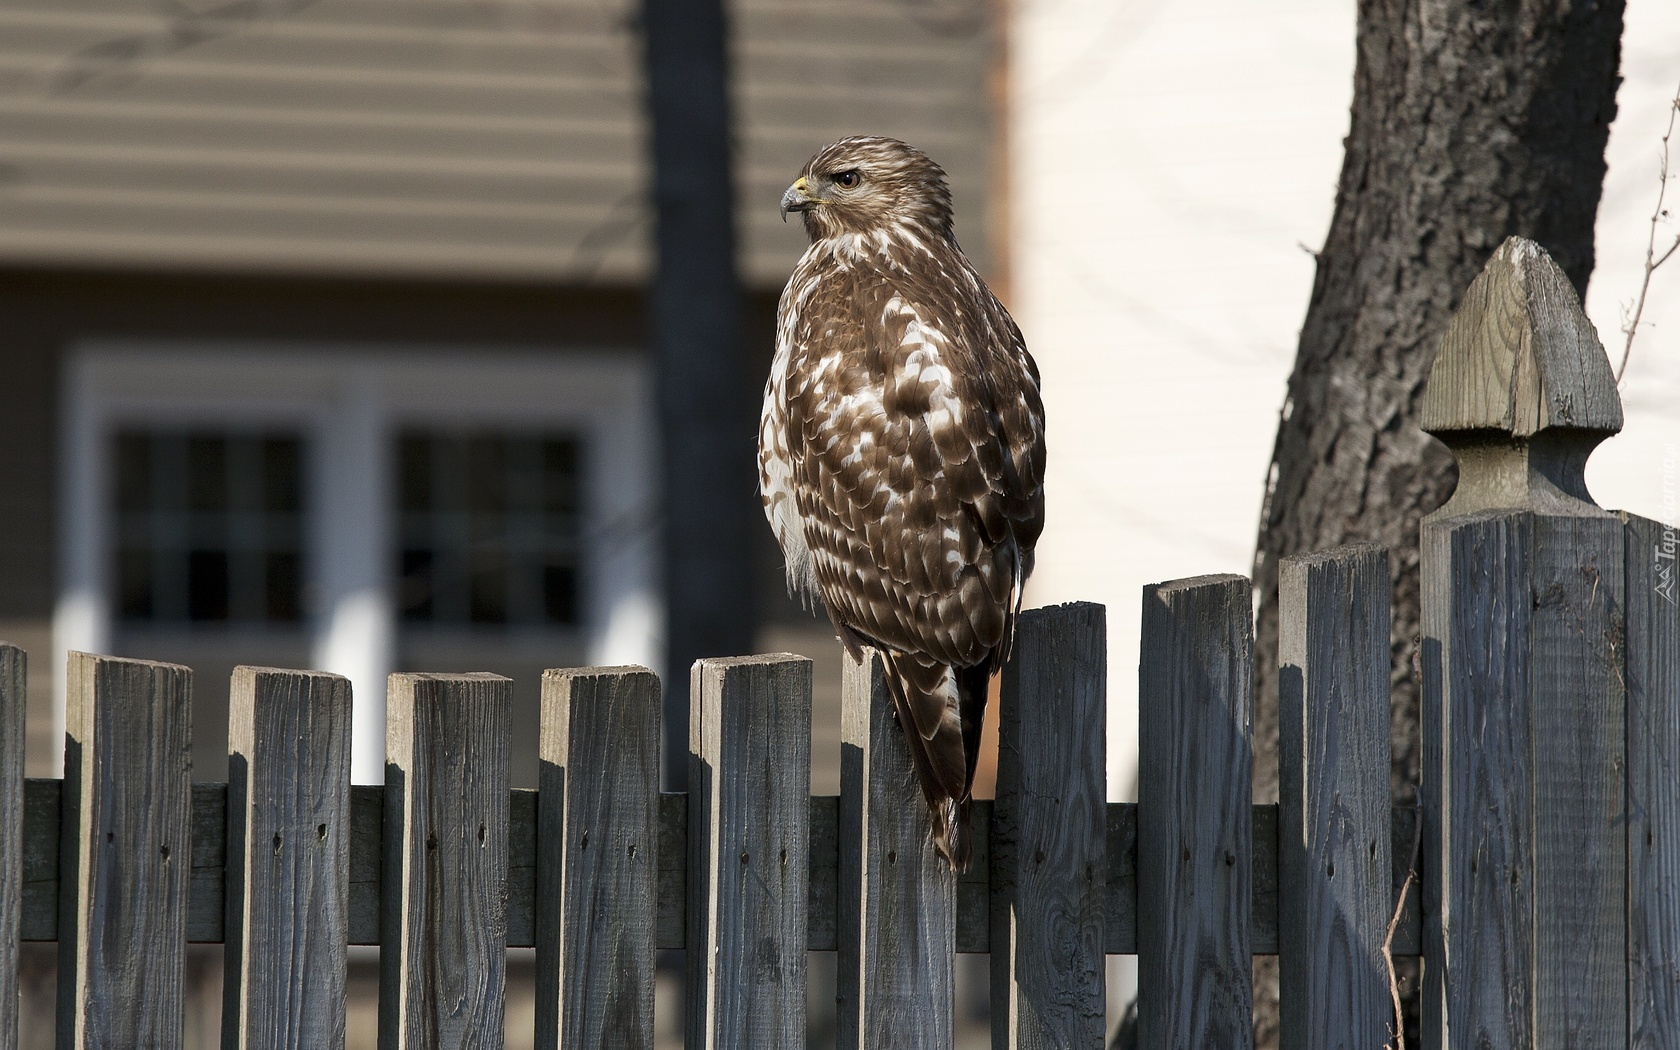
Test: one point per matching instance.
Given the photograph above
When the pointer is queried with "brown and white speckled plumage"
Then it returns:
(901, 449)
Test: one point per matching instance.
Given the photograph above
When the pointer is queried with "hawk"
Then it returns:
(901, 450)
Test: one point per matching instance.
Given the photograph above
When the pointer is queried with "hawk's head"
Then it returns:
(869, 183)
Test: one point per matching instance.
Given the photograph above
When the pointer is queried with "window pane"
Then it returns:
(282, 590)
(415, 586)
(283, 485)
(208, 526)
(134, 584)
(207, 472)
(489, 587)
(487, 475)
(414, 472)
(132, 467)
(489, 528)
(207, 585)
(560, 593)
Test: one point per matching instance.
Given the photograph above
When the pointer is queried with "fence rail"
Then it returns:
(206, 922)
(1549, 903)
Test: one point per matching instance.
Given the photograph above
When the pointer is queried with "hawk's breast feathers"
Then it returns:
(901, 452)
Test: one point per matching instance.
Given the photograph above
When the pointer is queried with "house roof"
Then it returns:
(475, 139)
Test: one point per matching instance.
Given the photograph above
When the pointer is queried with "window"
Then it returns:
(356, 509)
(208, 526)
(489, 528)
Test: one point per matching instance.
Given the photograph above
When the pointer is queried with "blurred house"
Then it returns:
(321, 322)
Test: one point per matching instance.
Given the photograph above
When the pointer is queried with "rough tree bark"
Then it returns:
(706, 415)
(1471, 122)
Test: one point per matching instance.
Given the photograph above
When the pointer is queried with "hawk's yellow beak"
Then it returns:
(798, 198)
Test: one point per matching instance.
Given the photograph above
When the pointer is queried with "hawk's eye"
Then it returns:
(847, 179)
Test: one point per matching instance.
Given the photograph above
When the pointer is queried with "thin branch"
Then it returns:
(1394, 922)
(1652, 260)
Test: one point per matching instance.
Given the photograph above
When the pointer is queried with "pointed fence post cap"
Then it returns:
(1520, 355)
(1521, 390)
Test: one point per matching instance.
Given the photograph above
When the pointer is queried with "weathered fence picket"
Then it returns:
(1049, 833)
(749, 780)
(443, 961)
(1195, 705)
(1334, 809)
(1652, 649)
(13, 674)
(1550, 884)
(898, 902)
(125, 854)
(598, 853)
(287, 860)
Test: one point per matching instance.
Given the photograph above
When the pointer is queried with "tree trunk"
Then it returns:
(1471, 122)
(706, 415)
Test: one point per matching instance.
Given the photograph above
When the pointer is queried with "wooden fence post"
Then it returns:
(124, 854)
(1653, 734)
(13, 667)
(897, 902)
(1195, 822)
(443, 961)
(288, 860)
(1049, 836)
(1524, 735)
(749, 787)
(1335, 892)
(597, 859)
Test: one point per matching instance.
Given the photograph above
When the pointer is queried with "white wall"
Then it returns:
(1172, 161)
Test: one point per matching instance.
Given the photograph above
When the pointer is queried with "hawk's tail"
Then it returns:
(941, 710)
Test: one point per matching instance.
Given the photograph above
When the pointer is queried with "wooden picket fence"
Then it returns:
(1549, 911)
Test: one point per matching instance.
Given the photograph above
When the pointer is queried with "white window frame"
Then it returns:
(349, 402)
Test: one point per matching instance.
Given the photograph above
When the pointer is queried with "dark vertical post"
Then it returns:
(1334, 879)
(443, 953)
(1049, 836)
(597, 859)
(125, 852)
(1653, 777)
(706, 415)
(12, 676)
(1195, 817)
(288, 860)
(749, 836)
(1524, 698)
(898, 900)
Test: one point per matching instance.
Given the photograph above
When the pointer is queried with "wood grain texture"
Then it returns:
(748, 845)
(13, 676)
(288, 860)
(973, 922)
(1194, 816)
(1333, 858)
(443, 959)
(125, 853)
(1486, 787)
(1526, 891)
(897, 901)
(1652, 602)
(1580, 811)
(1520, 355)
(1435, 622)
(598, 843)
(1049, 835)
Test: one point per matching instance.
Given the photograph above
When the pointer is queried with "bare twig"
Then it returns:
(1394, 922)
(1652, 259)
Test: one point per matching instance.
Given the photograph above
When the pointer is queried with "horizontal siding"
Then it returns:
(450, 139)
